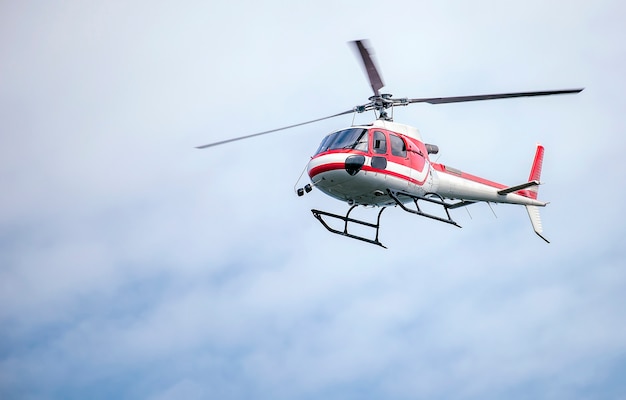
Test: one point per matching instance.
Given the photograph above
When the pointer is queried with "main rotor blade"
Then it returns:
(370, 67)
(460, 99)
(273, 130)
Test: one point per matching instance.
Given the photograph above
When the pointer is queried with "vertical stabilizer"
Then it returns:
(535, 175)
(535, 171)
(535, 219)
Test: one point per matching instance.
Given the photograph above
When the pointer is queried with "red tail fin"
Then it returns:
(535, 171)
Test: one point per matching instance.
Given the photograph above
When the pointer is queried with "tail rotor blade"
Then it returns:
(370, 67)
(272, 130)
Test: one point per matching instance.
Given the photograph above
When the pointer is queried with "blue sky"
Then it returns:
(135, 266)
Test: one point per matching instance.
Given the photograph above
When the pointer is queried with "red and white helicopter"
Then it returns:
(388, 164)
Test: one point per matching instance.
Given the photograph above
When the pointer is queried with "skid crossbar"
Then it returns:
(439, 201)
(319, 215)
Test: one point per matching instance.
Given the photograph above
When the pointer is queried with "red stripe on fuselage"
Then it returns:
(325, 168)
(469, 177)
(336, 166)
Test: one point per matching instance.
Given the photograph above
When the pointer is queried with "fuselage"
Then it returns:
(359, 164)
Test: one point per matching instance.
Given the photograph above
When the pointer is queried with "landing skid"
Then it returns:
(395, 195)
(436, 200)
(346, 219)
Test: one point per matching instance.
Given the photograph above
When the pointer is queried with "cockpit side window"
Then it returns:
(398, 147)
(379, 144)
(324, 145)
(353, 138)
(361, 142)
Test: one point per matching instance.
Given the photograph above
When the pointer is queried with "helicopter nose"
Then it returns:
(354, 164)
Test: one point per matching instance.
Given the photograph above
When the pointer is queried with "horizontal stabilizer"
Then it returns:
(535, 219)
(515, 188)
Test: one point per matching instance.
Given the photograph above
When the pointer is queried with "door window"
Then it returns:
(398, 147)
(379, 144)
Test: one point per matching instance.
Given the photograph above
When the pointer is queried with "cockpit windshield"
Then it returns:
(353, 138)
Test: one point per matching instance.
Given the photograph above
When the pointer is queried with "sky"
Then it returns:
(133, 265)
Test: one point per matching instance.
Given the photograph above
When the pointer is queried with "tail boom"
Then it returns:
(455, 184)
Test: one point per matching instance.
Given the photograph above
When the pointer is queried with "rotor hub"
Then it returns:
(380, 103)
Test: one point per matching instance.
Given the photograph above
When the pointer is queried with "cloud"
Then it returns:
(134, 266)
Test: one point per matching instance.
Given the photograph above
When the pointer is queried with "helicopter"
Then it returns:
(385, 163)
